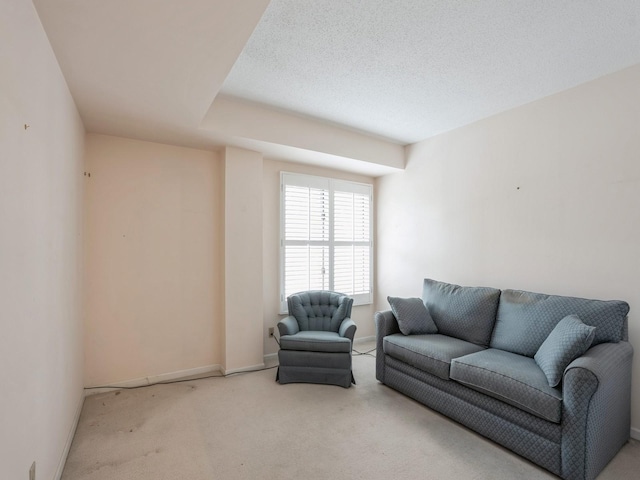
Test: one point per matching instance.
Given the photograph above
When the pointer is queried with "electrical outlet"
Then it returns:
(271, 332)
(32, 471)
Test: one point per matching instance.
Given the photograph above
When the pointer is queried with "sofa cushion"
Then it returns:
(567, 341)
(514, 379)
(526, 319)
(429, 353)
(467, 313)
(316, 341)
(412, 316)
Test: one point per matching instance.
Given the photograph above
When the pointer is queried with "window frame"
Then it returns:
(331, 185)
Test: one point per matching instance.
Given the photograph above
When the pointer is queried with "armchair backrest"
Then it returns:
(319, 309)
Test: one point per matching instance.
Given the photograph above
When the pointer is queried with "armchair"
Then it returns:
(316, 339)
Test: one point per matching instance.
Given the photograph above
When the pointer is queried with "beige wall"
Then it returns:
(243, 259)
(545, 197)
(41, 182)
(154, 282)
(362, 315)
(171, 237)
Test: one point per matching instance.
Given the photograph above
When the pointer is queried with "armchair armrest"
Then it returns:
(288, 326)
(596, 414)
(386, 324)
(348, 329)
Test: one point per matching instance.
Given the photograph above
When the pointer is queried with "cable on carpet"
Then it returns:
(368, 353)
(169, 382)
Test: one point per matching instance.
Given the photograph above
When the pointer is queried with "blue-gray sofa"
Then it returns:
(484, 359)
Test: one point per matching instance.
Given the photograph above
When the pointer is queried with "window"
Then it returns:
(325, 237)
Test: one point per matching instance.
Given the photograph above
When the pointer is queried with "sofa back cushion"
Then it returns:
(525, 319)
(467, 313)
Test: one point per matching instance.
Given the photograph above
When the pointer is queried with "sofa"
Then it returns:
(546, 376)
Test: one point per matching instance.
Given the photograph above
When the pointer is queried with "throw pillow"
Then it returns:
(412, 315)
(567, 341)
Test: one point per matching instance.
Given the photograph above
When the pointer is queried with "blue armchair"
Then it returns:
(316, 339)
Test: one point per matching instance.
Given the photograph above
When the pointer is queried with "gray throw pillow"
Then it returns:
(567, 341)
(412, 315)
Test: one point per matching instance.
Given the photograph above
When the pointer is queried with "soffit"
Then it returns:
(147, 69)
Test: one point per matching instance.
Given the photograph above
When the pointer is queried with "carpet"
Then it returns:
(247, 426)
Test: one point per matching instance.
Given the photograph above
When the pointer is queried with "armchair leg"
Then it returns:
(353, 380)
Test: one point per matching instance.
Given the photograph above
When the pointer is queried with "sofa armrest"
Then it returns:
(596, 415)
(288, 326)
(386, 324)
(348, 329)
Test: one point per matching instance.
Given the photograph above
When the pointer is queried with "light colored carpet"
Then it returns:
(249, 427)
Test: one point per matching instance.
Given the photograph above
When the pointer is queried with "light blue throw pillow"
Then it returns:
(567, 341)
(412, 316)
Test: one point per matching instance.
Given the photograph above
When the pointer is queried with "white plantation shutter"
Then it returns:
(306, 238)
(352, 239)
(325, 236)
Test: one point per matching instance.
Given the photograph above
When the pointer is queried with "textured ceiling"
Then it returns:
(284, 77)
(409, 69)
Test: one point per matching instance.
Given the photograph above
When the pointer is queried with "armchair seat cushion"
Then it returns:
(316, 341)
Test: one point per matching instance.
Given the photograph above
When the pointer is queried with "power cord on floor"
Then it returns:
(169, 382)
(368, 352)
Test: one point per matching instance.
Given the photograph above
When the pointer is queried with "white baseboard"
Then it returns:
(635, 433)
(67, 445)
(372, 338)
(259, 366)
(163, 377)
(270, 360)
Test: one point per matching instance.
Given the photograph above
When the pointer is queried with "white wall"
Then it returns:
(545, 197)
(41, 183)
(271, 127)
(362, 315)
(154, 268)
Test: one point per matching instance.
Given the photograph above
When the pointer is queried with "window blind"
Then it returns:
(325, 236)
